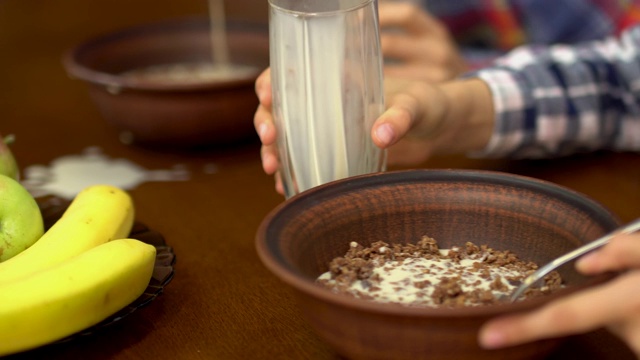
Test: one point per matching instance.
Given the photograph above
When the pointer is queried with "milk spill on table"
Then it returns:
(68, 175)
(329, 100)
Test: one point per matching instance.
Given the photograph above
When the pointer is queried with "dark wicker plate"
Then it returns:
(53, 208)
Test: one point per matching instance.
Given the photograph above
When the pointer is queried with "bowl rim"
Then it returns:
(309, 288)
(75, 69)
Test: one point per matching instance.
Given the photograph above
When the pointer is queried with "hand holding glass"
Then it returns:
(326, 73)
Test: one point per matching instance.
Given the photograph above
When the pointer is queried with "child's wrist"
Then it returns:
(470, 104)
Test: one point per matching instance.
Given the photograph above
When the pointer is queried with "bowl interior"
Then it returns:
(536, 220)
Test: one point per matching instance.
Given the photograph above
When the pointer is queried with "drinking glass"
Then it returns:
(327, 82)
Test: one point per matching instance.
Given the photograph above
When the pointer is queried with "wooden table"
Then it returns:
(222, 303)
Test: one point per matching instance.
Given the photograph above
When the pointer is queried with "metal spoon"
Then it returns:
(543, 271)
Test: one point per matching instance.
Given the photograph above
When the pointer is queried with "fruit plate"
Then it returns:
(52, 209)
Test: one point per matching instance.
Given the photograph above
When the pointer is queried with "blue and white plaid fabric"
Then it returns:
(558, 100)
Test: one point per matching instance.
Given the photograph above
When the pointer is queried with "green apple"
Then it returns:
(8, 164)
(21, 223)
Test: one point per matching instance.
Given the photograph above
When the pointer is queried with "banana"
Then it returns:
(98, 214)
(74, 295)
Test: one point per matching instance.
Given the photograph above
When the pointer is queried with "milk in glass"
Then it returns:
(326, 73)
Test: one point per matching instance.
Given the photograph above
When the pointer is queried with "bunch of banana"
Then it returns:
(81, 270)
(73, 295)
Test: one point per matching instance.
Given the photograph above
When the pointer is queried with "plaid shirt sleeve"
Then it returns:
(559, 100)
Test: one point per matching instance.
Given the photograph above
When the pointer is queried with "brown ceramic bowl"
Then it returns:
(173, 114)
(535, 219)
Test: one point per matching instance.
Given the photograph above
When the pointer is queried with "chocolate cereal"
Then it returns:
(422, 274)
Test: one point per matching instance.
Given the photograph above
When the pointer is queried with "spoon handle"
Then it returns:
(543, 271)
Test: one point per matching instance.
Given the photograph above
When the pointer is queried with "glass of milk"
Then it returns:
(326, 73)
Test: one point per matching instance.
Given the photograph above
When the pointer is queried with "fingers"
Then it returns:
(279, 184)
(391, 128)
(614, 304)
(262, 119)
(263, 123)
(269, 157)
(392, 14)
(426, 58)
(266, 130)
(268, 152)
(418, 112)
(622, 252)
(629, 331)
(408, 17)
(263, 88)
(609, 304)
(423, 49)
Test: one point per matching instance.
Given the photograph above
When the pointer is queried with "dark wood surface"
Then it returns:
(222, 303)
